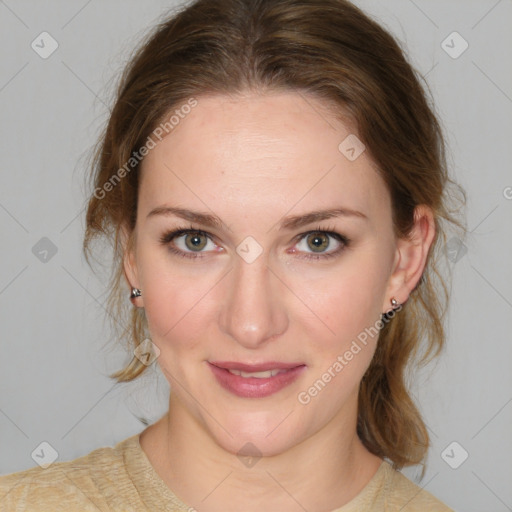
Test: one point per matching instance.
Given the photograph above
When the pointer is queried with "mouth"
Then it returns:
(255, 380)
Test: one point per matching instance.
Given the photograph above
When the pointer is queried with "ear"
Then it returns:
(129, 259)
(411, 257)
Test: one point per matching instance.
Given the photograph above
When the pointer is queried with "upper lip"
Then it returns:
(258, 367)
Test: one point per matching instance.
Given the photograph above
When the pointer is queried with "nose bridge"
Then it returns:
(253, 312)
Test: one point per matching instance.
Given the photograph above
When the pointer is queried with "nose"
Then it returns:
(254, 311)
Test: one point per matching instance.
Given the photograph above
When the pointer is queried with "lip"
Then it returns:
(258, 367)
(254, 387)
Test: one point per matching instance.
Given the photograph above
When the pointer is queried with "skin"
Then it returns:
(252, 160)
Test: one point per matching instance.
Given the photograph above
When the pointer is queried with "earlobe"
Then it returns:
(412, 255)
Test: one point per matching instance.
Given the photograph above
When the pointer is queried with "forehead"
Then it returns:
(272, 152)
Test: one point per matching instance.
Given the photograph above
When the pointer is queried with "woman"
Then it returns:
(274, 182)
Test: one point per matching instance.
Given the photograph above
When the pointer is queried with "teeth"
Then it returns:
(259, 375)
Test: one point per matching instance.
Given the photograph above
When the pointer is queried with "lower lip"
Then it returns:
(252, 387)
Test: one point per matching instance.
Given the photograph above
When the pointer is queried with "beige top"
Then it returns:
(122, 479)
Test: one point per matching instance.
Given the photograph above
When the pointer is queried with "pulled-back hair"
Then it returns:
(333, 51)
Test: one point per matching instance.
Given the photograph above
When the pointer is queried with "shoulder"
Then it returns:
(404, 495)
(85, 482)
(391, 491)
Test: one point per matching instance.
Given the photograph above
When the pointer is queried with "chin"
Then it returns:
(255, 435)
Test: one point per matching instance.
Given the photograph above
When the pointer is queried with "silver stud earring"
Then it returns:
(394, 302)
(134, 294)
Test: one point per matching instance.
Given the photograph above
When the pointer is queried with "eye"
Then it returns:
(315, 244)
(188, 242)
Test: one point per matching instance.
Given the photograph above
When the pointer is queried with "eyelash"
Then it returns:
(169, 236)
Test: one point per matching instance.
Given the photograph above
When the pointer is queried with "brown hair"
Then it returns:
(333, 51)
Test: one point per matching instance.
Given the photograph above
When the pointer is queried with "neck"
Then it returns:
(323, 472)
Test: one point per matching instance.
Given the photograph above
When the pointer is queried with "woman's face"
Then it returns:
(266, 283)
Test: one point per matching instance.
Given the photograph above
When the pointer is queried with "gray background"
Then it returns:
(54, 355)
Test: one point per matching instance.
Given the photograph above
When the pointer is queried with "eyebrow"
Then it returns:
(292, 222)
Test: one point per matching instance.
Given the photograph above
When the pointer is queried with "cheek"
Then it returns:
(348, 300)
(343, 344)
(176, 303)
